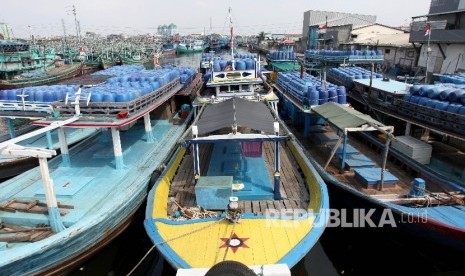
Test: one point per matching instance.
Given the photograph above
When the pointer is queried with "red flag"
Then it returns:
(323, 29)
(427, 29)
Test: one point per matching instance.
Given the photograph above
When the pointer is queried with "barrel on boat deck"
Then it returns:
(332, 95)
(456, 95)
(418, 188)
(312, 96)
(323, 97)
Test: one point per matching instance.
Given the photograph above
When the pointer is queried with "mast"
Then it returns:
(232, 32)
(77, 26)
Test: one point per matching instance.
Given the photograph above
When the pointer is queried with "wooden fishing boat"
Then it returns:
(239, 188)
(50, 76)
(187, 47)
(56, 216)
(217, 174)
(402, 192)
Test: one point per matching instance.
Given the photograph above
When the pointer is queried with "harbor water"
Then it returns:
(340, 251)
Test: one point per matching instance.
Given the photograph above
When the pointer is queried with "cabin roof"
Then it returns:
(244, 113)
(344, 117)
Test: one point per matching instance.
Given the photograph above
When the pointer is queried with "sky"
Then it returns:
(44, 17)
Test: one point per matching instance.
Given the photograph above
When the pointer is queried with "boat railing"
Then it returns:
(107, 109)
(21, 109)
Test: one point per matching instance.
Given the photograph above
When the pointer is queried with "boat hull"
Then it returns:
(68, 73)
(443, 235)
(260, 232)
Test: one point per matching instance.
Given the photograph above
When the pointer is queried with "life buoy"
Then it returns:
(230, 268)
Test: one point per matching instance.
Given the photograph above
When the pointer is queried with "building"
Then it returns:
(313, 20)
(446, 40)
(394, 42)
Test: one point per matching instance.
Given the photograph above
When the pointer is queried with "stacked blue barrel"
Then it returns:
(345, 54)
(128, 85)
(241, 62)
(458, 78)
(347, 75)
(281, 55)
(120, 70)
(38, 94)
(309, 90)
(447, 97)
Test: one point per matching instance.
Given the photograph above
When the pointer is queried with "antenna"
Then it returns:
(76, 23)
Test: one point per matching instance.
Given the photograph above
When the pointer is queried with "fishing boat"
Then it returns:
(345, 146)
(186, 47)
(22, 65)
(284, 58)
(33, 103)
(55, 216)
(227, 192)
(229, 195)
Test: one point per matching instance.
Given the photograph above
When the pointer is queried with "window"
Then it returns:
(387, 51)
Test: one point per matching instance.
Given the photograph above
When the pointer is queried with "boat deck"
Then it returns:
(89, 186)
(405, 176)
(293, 189)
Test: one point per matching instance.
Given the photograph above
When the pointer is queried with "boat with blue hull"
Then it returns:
(55, 216)
(414, 197)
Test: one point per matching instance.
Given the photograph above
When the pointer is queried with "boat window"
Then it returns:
(381, 96)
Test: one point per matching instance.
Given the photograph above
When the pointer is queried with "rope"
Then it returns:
(169, 240)
(229, 240)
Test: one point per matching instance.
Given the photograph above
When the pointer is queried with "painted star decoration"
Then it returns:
(234, 243)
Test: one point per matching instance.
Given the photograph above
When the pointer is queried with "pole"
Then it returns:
(427, 54)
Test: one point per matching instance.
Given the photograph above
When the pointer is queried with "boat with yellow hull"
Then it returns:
(218, 202)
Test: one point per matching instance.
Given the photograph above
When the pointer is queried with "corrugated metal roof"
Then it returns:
(344, 117)
(286, 66)
(339, 18)
(398, 40)
(254, 115)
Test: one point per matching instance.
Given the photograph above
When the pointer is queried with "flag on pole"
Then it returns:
(323, 29)
(427, 29)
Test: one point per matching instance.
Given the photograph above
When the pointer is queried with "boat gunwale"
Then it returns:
(291, 257)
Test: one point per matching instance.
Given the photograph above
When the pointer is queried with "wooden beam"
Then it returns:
(52, 126)
(16, 150)
(333, 152)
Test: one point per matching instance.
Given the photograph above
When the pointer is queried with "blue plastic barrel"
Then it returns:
(108, 97)
(440, 105)
(3, 95)
(39, 96)
(249, 64)
(332, 95)
(48, 96)
(240, 65)
(323, 97)
(453, 108)
(418, 188)
(121, 97)
(456, 95)
(424, 90)
(96, 97)
(462, 110)
(423, 101)
(433, 93)
(444, 95)
(431, 103)
(12, 95)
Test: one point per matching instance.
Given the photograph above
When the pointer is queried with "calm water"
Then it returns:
(347, 251)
